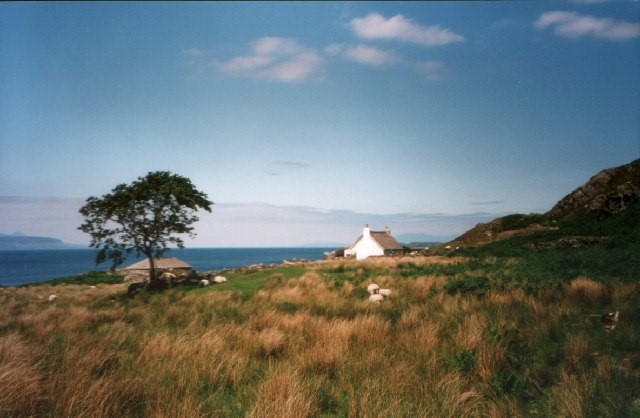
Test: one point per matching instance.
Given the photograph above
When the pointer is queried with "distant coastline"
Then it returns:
(18, 241)
(30, 266)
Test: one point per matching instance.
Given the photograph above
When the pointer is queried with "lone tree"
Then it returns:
(144, 217)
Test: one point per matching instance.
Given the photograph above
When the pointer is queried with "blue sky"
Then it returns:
(305, 120)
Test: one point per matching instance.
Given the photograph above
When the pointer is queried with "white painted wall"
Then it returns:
(366, 247)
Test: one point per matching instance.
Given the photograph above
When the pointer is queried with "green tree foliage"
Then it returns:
(145, 217)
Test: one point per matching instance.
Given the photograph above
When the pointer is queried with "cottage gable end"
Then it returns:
(373, 243)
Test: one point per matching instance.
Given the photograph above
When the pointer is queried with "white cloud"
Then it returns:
(249, 63)
(369, 55)
(296, 68)
(575, 25)
(376, 26)
(276, 59)
(334, 49)
(432, 70)
(276, 46)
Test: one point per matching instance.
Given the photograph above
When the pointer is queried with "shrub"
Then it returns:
(91, 278)
(508, 383)
(463, 362)
(478, 286)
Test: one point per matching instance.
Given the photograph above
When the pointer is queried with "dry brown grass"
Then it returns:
(568, 397)
(309, 346)
(283, 393)
(576, 351)
(20, 378)
(470, 333)
(587, 290)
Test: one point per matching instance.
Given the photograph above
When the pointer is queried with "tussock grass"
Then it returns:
(20, 377)
(304, 341)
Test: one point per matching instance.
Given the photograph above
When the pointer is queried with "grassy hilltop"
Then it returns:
(507, 325)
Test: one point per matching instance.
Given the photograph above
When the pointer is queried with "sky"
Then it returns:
(303, 121)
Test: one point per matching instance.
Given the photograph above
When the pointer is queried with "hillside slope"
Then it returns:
(605, 194)
(601, 208)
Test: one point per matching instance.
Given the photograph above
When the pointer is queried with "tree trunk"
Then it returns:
(152, 269)
(154, 283)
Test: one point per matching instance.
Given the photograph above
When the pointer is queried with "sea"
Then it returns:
(31, 266)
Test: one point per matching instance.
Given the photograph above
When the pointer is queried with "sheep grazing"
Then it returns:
(385, 292)
(377, 298)
(52, 298)
(373, 289)
(609, 320)
(204, 283)
(219, 279)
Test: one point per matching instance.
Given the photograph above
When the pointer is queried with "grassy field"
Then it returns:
(471, 335)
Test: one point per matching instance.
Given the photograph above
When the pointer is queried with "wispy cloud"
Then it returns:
(242, 224)
(275, 59)
(364, 54)
(278, 168)
(259, 224)
(376, 26)
(487, 203)
(575, 25)
(432, 70)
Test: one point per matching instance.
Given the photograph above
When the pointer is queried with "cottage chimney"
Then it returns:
(387, 230)
(366, 232)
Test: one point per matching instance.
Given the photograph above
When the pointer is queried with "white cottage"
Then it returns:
(373, 243)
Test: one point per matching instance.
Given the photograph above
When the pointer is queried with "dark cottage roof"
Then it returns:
(161, 263)
(385, 240)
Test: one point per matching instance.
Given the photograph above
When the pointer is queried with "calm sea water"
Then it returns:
(19, 267)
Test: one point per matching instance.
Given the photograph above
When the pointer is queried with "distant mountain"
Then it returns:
(334, 244)
(19, 241)
(605, 206)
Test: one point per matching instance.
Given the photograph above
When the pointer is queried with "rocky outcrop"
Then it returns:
(607, 193)
(618, 200)
(570, 242)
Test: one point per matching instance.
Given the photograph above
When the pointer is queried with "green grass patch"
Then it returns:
(91, 278)
(250, 281)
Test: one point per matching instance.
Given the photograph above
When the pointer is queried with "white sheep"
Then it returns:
(219, 279)
(385, 292)
(373, 289)
(204, 283)
(52, 298)
(376, 298)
